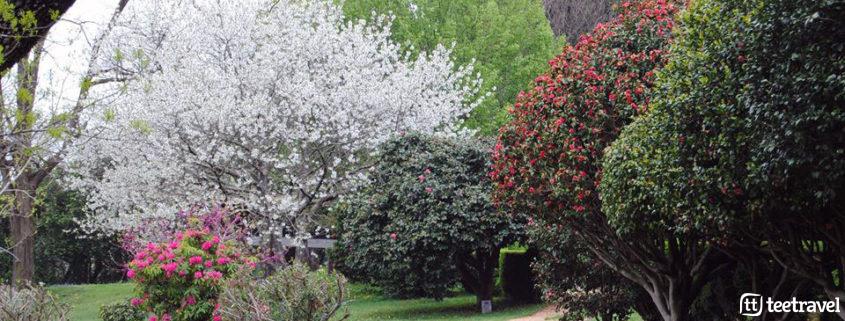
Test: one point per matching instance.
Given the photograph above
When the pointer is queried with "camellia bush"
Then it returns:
(547, 161)
(181, 280)
(426, 221)
(746, 131)
(794, 78)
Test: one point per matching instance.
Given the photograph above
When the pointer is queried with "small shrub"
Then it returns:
(181, 280)
(517, 279)
(292, 294)
(121, 311)
(30, 303)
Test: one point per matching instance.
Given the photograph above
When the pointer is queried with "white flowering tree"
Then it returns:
(270, 106)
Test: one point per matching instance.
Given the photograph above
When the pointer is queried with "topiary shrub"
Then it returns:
(794, 93)
(672, 180)
(181, 280)
(294, 293)
(517, 279)
(426, 220)
(31, 303)
(121, 311)
(745, 131)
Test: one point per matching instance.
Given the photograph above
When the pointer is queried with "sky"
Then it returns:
(67, 50)
(65, 58)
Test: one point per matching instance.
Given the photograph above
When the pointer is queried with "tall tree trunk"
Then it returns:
(22, 224)
(485, 291)
(32, 174)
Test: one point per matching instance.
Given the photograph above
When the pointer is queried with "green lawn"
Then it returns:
(365, 305)
(86, 300)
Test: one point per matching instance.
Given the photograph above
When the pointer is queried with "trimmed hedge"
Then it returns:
(516, 278)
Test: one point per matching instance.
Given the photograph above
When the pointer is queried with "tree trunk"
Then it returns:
(644, 307)
(680, 309)
(673, 304)
(22, 226)
(468, 280)
(478, 272)
(485, 291)
(486, 267)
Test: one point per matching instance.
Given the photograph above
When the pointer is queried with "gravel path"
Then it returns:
(542, 315)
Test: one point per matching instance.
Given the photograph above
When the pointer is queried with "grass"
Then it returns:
(365, 304)
(85, 300)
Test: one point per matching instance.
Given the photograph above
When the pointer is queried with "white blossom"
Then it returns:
(271, 106)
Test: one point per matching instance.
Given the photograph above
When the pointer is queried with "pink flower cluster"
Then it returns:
(195, 261)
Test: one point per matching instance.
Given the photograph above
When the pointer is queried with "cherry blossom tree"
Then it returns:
(274, 107)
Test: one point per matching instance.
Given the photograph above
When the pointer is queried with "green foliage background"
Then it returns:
(62, 253)
(510, 40)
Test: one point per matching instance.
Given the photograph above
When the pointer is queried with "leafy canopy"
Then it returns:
(509, 40)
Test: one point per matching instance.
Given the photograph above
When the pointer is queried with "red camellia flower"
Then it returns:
(576, 109)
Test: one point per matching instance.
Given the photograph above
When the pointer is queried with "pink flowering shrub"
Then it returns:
(180, 280)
